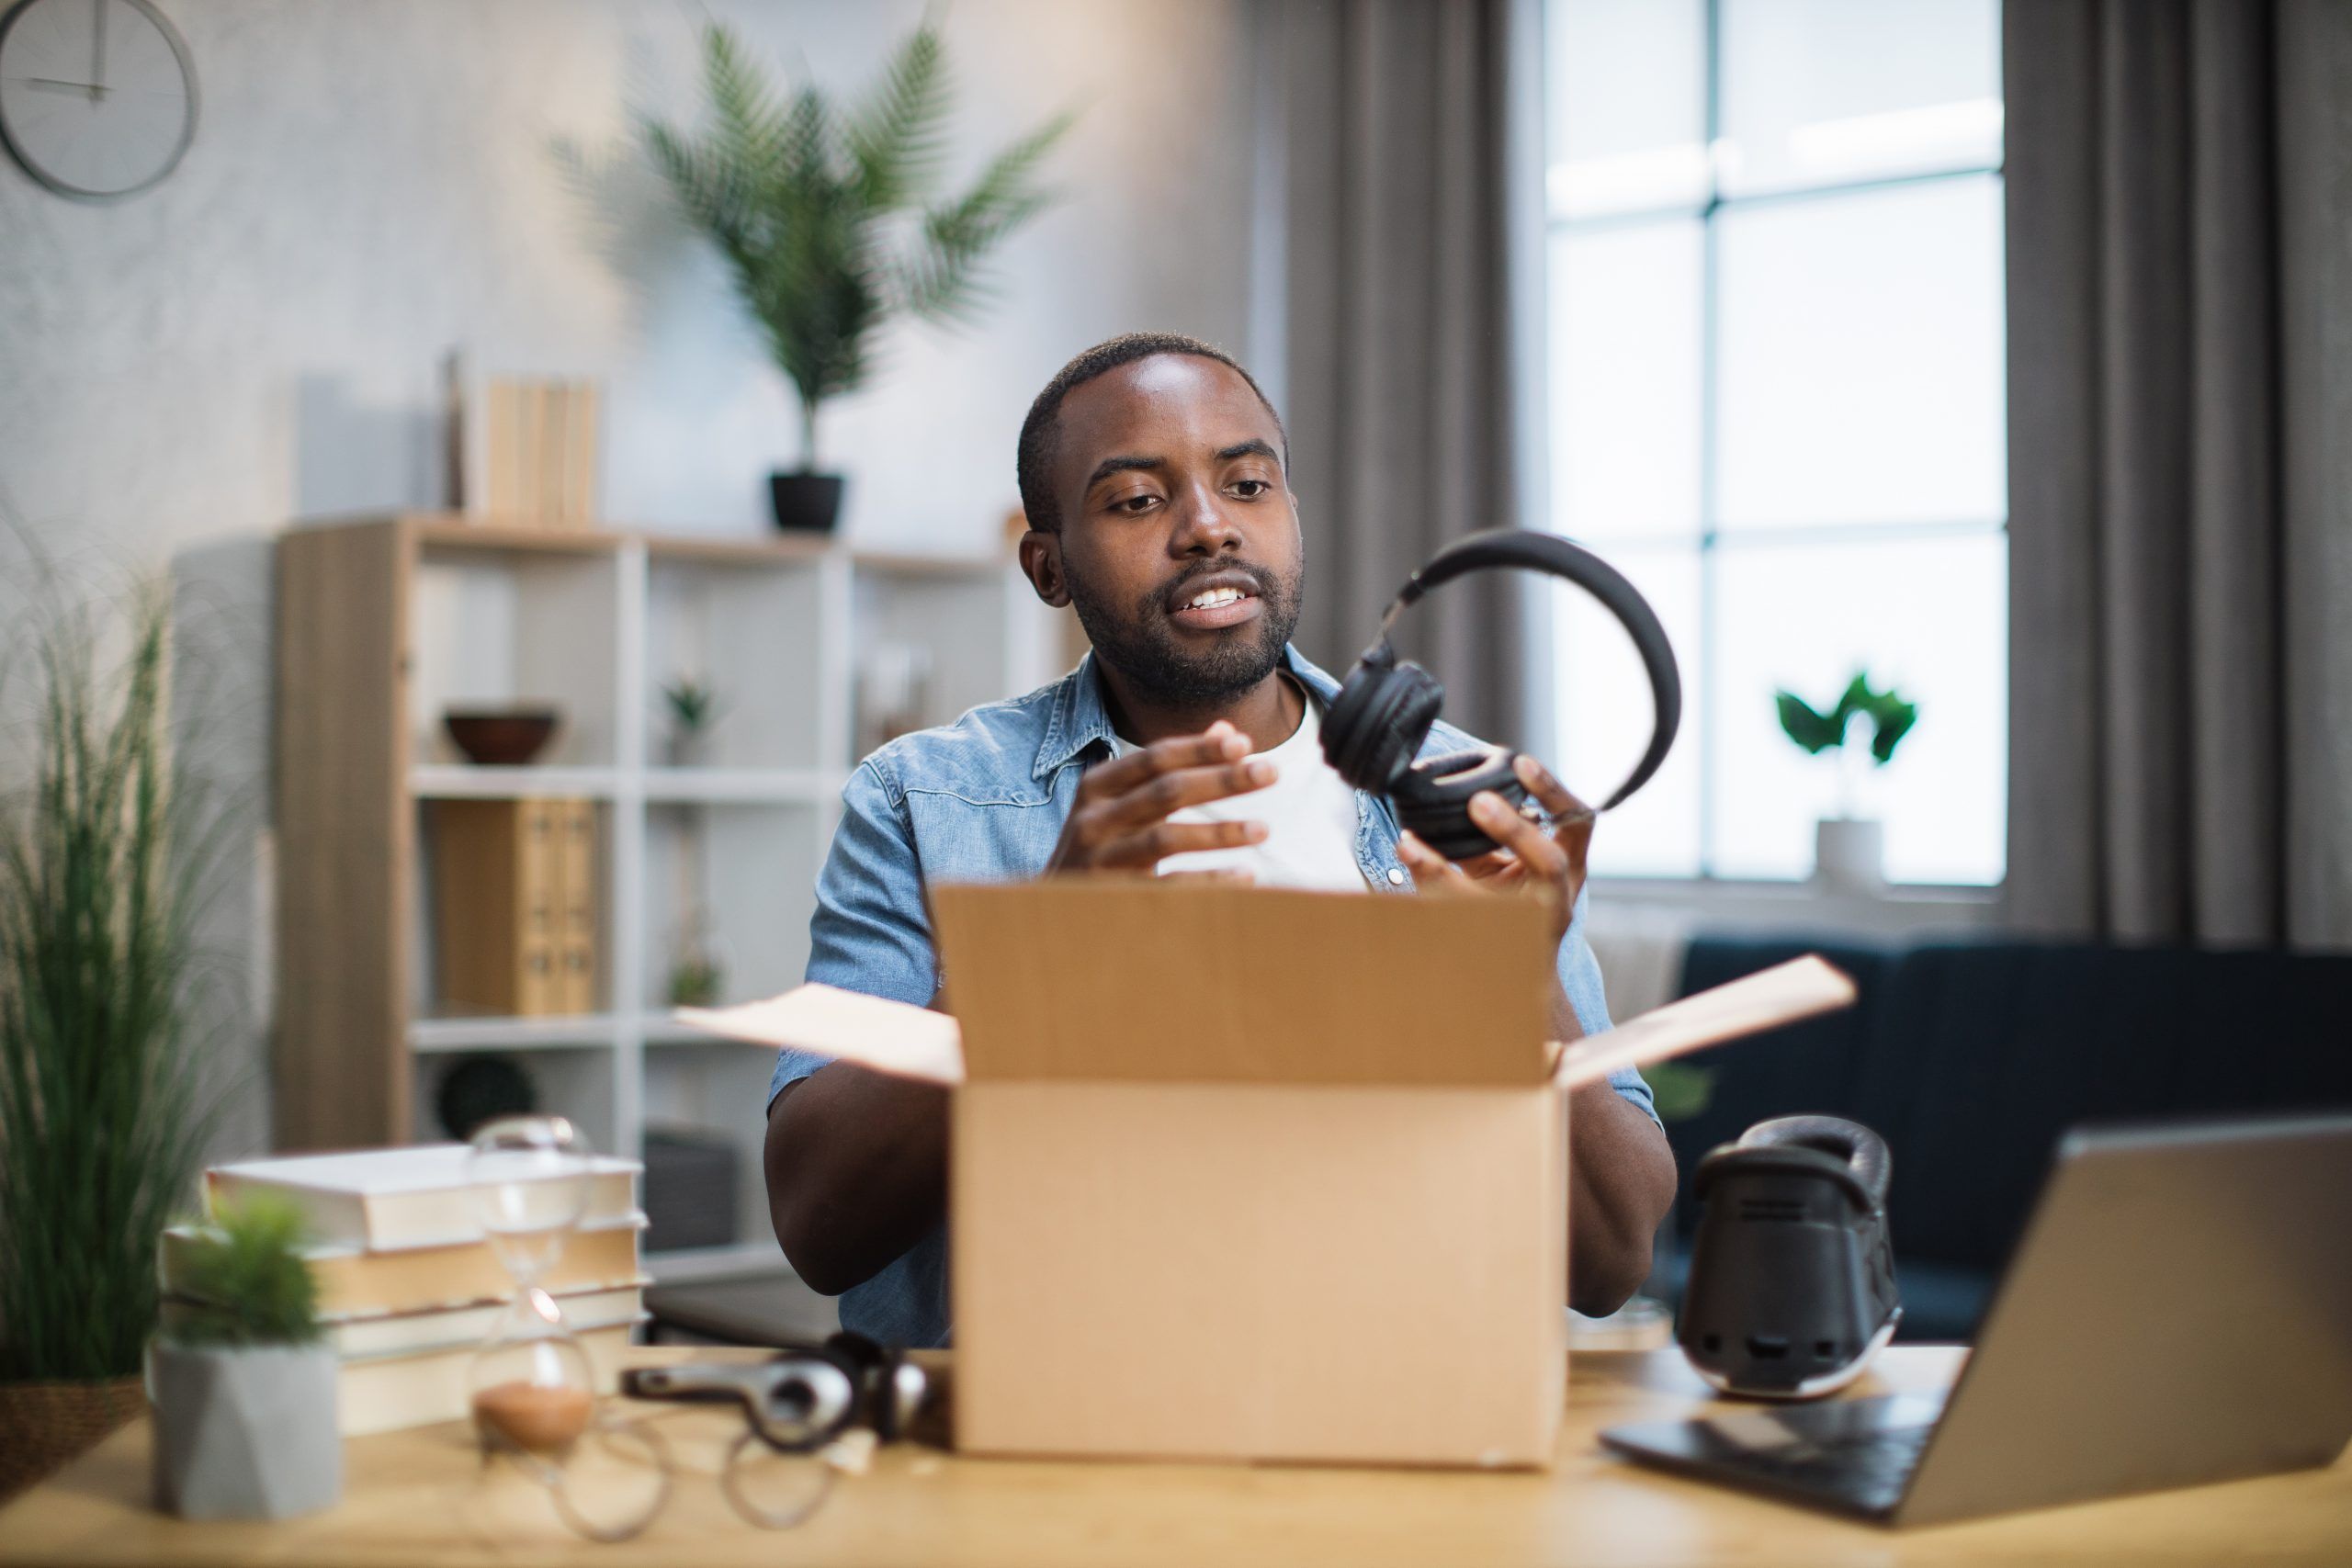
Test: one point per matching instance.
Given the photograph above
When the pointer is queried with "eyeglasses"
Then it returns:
(810, 1413)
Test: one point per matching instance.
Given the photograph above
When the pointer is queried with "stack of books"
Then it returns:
(409, 1291)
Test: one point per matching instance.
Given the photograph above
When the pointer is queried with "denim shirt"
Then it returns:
(984, 800)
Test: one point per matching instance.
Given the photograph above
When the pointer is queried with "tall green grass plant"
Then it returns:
(100, 1125)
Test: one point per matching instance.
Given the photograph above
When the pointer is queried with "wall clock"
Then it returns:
(97, 97)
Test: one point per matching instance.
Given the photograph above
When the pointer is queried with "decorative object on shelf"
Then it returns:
(534, 1386)
(516, 904)
(501, 737)
(697, 972)
(894, 682)
(243, 1377)
(690, 1188)
(809, 204)
(694, 710)
(97, 97)
(104, 853)
(1848, 849)
(478, 1089)
(538, 452)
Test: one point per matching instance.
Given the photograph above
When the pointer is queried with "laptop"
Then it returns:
(2180, 1310)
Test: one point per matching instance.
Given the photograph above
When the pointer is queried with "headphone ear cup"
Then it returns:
(1433, 799)
(1863, 1151)
(1378, 721)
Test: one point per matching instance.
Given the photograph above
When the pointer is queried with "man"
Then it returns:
(1153, 473)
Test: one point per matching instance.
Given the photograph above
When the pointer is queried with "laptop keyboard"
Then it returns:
(1871, 1469)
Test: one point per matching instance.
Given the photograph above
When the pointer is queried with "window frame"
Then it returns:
(1709, 540)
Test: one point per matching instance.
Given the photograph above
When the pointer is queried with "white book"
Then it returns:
(393, 1200)
(361, 1335)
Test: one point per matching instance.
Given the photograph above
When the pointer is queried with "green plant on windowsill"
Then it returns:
(1848, 848)
(1817, 730)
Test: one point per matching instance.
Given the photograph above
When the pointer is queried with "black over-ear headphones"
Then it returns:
(1385, 708)
(1791, 1287)
(804, 1397)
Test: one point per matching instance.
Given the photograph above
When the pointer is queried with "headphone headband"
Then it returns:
(1556, 557)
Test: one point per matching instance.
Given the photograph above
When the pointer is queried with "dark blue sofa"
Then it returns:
(1973, 1058)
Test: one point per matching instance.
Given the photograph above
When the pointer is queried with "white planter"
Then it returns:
(1850, 854)
(244, 1434)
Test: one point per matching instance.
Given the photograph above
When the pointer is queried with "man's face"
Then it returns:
(1179, 543)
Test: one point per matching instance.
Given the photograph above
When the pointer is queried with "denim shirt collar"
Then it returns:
(1080, 719)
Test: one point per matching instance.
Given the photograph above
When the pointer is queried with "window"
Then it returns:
(1776, 365)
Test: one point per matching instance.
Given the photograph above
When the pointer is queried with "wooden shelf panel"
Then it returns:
(787, 786)
(467, 781)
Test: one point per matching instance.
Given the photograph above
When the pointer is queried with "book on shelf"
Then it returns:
(353, 1282)
(389, 1200)
(538, 452)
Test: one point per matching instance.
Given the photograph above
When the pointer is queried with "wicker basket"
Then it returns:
(43, 1424)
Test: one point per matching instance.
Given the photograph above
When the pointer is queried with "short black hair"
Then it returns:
(1033, 458)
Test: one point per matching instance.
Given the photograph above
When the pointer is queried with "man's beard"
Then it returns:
(1142, 644)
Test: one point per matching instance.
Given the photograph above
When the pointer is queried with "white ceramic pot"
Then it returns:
(1850, 854)
(246, 1433)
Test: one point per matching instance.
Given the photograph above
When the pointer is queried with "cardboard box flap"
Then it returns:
(915, 1042)
(1766, 1000)
(897, 1038)
(1101, 978)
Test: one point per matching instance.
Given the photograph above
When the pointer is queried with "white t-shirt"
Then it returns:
(1309, 812)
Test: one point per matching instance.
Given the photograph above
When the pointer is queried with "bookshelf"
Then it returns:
(384, 622)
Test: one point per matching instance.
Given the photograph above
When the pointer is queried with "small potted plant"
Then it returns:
(243, 1379)
(1848, 849)
(829, 221)
(692, 707)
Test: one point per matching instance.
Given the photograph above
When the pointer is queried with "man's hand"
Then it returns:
(1120, 820)
(1529, 856)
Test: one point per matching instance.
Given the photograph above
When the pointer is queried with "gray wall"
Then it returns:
(373, 182)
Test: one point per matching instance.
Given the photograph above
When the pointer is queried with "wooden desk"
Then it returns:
(420, 1497)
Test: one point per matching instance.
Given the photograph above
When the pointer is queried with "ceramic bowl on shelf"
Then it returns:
(501, 736)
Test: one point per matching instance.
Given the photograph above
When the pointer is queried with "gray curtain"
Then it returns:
(2179, 209)
(1402, 199)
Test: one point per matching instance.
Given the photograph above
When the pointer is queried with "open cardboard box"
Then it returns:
(1241, 1174)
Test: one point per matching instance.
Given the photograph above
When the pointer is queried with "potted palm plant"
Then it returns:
(827, 219)
(1850, 849)
(243, 1377)
(99, 1136)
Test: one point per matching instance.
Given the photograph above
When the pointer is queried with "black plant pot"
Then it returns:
(807, 503)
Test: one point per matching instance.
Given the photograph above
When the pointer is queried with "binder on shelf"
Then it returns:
(576, 892)
(504, 917)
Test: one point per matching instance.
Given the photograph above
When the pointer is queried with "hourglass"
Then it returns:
(533, 1387)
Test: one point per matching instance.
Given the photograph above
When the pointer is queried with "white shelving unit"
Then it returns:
(595, 625)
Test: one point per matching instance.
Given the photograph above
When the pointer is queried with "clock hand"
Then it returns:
(55, 86)
(98, 50)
